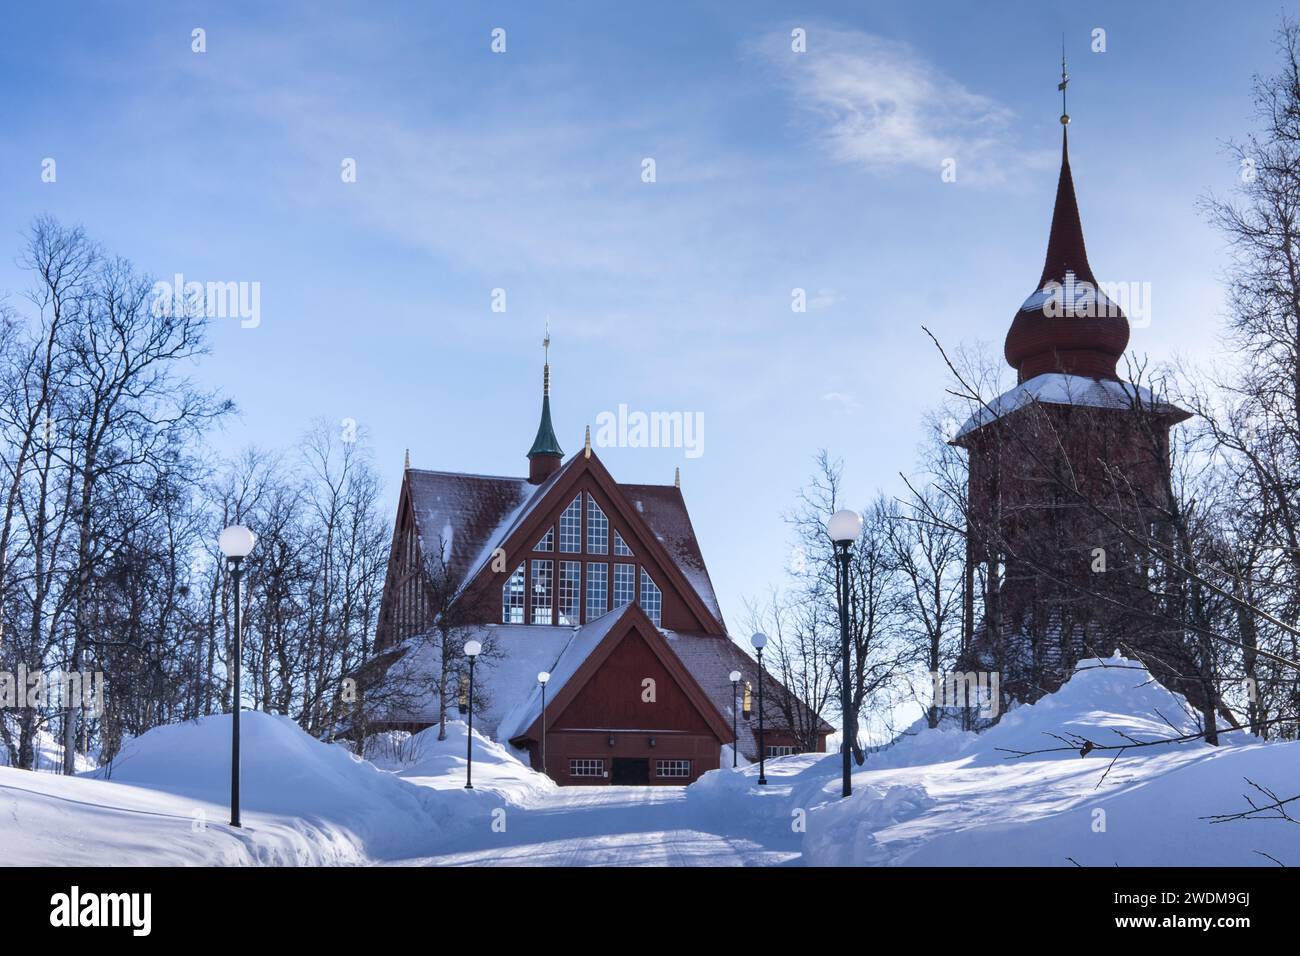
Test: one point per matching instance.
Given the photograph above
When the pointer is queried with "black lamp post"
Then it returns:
(472, 651)
(542, 678)
(760, 641)
(844, 528)
(236, 542)
(735, 705)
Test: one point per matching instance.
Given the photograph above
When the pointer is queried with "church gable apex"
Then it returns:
(578, 538)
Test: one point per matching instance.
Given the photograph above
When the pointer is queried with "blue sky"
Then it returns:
(522, 171)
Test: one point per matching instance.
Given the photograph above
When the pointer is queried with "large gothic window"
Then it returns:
(652, 600)
(570, 592)
(571, 527)
(597, 589)
(597, 528)
(624, 584)
(542, 592)
(512, 598)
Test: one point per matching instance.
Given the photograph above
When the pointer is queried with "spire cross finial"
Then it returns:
(546, 360)
(1065, 81)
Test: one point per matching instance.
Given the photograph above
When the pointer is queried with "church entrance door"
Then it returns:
(630, 771)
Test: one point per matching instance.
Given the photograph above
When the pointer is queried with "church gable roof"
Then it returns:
(591, 646)
(469, 516)
(664, 510)
(458, 515)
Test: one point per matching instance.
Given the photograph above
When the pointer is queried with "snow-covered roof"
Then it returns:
(506, 676)
(710, 660)
(664, 510)
(1056, 388)
(506, 673)
(581, 642)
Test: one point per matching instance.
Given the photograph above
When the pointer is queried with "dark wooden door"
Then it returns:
(630, 771)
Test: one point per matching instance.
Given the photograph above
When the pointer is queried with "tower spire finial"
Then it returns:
(1065, 81)
(586, 445)
(407, 464)
(546, 360)
(546, 455)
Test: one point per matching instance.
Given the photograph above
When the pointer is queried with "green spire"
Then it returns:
(546, 443)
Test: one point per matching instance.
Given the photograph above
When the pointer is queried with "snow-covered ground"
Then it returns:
(938, 797)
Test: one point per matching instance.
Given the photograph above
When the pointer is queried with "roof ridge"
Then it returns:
(468, 474)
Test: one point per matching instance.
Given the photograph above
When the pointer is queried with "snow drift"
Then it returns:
(1018, 795)
(165, 800)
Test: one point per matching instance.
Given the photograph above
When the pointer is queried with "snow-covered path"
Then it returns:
(607, 826)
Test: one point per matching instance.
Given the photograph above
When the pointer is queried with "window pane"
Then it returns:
(547, 542)
(570, 591)
(597, 528)
(571, 527)
(624, 584)
(597, 589)
(542, 586)
(620, 546)
(512, 598)
(652, 601)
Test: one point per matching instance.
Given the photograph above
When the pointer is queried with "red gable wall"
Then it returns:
(613, 696)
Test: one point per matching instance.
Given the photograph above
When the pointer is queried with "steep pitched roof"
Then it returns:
(590, 646)
(467, 515)
(664, 510)
(711, 659)
(577, 648)
(473, 514)
(1067, 324)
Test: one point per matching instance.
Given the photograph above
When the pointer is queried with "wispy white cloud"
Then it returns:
(843, 399)
(879, 103)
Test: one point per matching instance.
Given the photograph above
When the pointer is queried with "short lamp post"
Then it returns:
(542, 678)
(236, 543)
(844, 528)
(735, 705)
(472, 650)
(760, 641)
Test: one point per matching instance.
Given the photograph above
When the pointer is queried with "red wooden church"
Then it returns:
(599, 583)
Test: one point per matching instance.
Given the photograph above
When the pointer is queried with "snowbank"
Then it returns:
(165, 801)
(981, 805)
(425, 760)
